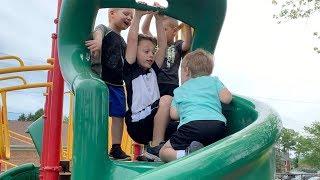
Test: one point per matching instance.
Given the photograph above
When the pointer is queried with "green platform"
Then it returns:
(247, 153)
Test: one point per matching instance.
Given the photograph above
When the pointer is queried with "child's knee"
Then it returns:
(165, 101)
(163, 153)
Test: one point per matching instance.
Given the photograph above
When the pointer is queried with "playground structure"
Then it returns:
(253, 127)
(5, 132)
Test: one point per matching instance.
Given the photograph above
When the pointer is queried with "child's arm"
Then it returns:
(162, 41)
(174, 113)
(95, 45)
(225, 96)
(131, 52)
(187, 39)
(146, 25)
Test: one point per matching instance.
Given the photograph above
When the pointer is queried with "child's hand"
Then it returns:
(94, 46)
(158, 16)
(140, 13)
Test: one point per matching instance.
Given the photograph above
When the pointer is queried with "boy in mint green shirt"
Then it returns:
(197, 104)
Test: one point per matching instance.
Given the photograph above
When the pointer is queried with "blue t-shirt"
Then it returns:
(198, 99)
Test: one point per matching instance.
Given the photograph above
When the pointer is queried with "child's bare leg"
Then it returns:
(161, 120)
(167, 153)
(116, 130)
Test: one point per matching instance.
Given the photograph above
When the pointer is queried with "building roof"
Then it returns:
(20, 127)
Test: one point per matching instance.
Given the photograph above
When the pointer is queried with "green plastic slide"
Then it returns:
(253, 127)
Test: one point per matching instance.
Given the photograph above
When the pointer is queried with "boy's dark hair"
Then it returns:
(142, 37)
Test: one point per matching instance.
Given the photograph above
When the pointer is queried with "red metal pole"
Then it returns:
(50, 156)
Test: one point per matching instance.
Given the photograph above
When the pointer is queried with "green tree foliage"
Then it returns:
(38, 114)
(306, 147)
(31, 117)
(309, 148)
(22, 117)
(296, 9)
(288, 139)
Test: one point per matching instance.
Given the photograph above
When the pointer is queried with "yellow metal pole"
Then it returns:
(25, 68)
(2, 147)
(13, 77)
(70, 127)
(22, 67)
(12, 58)
(25, 86)
(6, 141)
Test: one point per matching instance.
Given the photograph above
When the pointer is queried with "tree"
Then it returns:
(38, 114)
(288, 139)
(31, 117)
(22, 117)
(309, 146)
(296, 9)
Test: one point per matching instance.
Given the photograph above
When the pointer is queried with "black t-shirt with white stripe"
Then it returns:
(142, 89)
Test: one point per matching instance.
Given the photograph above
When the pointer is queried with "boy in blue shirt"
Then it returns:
(197, 103)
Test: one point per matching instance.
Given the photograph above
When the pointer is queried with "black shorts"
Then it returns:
(142, 131)
(203, 131)
(167, 89)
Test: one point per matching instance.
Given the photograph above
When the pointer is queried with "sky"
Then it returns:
(255, 57)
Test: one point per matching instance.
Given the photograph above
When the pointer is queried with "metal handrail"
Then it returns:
(23, 67)
(9, 57)
(25, 86)
(13, 77)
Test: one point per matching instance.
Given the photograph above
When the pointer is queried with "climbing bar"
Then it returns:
(26, 86)
(25, 68)
(22, 67)
(12, 58)
(4, 136)
(13, 77)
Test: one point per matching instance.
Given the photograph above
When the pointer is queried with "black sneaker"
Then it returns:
(194, 146)
(152, 153)
(116, 153)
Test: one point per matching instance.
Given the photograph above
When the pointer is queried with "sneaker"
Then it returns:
(152, 153)
(116, 153)
(194, 146)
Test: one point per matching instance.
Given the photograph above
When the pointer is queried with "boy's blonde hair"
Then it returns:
(199, 63)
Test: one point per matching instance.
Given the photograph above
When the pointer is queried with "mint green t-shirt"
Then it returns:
(198, 99)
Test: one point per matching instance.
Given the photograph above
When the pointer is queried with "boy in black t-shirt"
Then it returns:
(148, 115)
(168, 78)
(110, 68)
